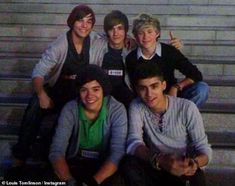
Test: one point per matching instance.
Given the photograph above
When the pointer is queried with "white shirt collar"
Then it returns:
(158, 51)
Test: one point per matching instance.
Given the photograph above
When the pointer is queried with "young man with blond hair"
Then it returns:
(147, 31)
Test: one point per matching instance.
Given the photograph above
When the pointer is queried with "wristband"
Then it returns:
(196, 162)
(177, 86)
(155, 161)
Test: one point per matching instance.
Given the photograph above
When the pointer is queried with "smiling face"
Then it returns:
(117, 36)
(150, 91)
(83, 27)
(147, 37)
(91, 95)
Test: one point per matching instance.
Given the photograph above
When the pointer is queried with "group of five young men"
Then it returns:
(165, 133)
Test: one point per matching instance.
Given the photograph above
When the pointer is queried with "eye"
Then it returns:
(82, 90)
(154, 86)
(89, 21)
(141, 88)
(96, 89)
(150, 31)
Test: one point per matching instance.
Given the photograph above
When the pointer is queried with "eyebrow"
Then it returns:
(155, 83)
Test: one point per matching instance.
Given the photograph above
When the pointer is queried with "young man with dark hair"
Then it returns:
(90, 138)
(54, 76)
(167, 144)
(146, 30)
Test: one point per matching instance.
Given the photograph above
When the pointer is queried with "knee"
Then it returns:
(202, 90)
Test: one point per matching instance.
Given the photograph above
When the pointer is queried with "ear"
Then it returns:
(164, 85)
(157, 34)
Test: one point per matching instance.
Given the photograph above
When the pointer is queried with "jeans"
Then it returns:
(29, 128)
(197, 93)
(137, 172)
(33, 116)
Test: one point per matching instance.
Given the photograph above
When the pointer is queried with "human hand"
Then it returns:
(173, 91)
(173, 164)
(130, 43)
(191, 168)
(175, 42)
(45, 101)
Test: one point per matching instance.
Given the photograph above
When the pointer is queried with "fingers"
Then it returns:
(177, 43)
(174, 41)
(171, 35)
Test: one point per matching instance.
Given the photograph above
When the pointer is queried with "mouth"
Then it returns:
(90, 101)
(150, 101)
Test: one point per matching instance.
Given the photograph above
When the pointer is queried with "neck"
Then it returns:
(92, 114)
(162, 106)
(116, 46)
(149, 52)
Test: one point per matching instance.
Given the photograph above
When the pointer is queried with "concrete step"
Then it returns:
(220, 176)
(221, 170)
(151, 2)
(211, 69)
(188, 36)
(160, 9)
(20, 47)
(192, 21)
(218, 173)
(221, 91)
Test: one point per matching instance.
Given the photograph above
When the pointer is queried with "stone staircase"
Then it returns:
(205, 26)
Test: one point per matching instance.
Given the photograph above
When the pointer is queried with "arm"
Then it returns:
(195, 163)
(118, 133)
(201, 150)
(107, 169)
(44, 100)
(180, 86)
(60, 142)
(175, 42)
(61, 169)
(135, 142)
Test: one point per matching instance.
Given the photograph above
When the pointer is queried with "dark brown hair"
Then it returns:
(80, 12)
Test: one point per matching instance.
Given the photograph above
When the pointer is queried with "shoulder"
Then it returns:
(132, 54)
(99, 42)
(70, 106)
(182, 104)
(59, 45)
(61, 39)
(137, 104)
(116, 110)
(113, 104)
(167, 47)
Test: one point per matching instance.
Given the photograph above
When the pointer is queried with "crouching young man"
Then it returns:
(167, 144)
(91, 133)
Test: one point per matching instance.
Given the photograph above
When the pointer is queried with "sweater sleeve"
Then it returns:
(118, 132)
(51, 58)
(182, 64)
(135, 132)
(197, 137)
(63, 133)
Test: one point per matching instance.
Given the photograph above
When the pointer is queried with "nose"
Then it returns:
(149, 93)
(143, 36)
(84, 24)
(89, 94)
(114, 32)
